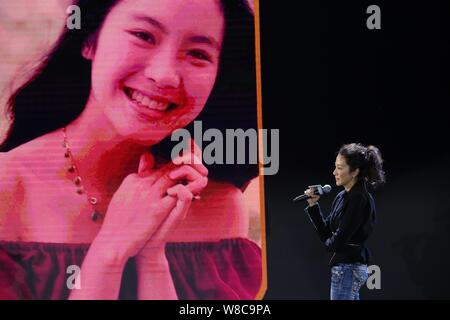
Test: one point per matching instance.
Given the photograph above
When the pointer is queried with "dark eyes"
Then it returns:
(145, 36)
(199, 54)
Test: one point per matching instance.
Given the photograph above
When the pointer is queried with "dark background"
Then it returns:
(328, 80)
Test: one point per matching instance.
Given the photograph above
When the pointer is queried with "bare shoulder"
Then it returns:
(9, 177)
(219, 214)
(10, 194)
(12, 165)
(36, 157)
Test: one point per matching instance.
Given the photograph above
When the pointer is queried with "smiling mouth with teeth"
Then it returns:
(145, 101)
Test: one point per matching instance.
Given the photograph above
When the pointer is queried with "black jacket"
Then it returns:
(348, 226)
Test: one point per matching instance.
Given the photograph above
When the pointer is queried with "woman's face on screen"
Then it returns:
(154, 64)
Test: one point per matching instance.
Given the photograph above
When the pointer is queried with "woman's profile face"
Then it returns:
(154, 64)
(342, 172)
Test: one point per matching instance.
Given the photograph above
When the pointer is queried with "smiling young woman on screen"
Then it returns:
(85, 180)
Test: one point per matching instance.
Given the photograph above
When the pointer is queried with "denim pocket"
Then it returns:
(360, 275)
(337, 273)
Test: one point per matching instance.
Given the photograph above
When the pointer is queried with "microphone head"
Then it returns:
(326, 188)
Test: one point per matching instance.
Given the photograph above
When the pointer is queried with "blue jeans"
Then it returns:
(346, 280)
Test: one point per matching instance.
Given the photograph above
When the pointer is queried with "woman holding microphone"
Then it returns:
(352, 218)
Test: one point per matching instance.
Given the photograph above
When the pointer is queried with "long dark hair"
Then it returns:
(58, 91)
(367, 159)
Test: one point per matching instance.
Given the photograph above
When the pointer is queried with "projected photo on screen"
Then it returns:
(129, 155)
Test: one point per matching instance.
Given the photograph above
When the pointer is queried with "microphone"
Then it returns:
(318, 190)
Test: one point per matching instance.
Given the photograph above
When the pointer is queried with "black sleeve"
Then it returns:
(321, 224)
(353, 216)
